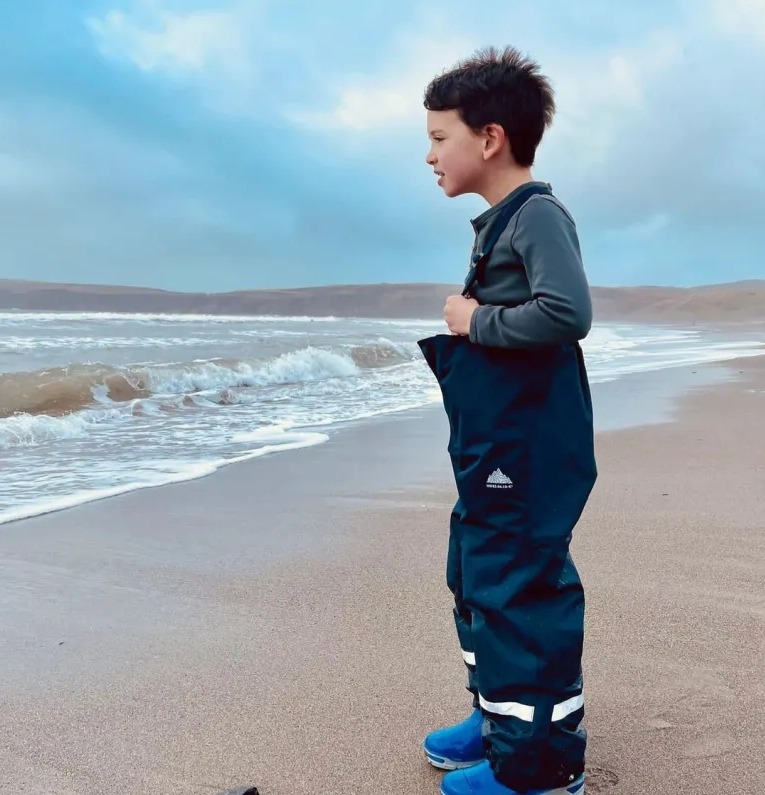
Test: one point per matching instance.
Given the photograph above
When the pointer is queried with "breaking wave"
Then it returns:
(64, 390)
(66, 402)
(28, 430)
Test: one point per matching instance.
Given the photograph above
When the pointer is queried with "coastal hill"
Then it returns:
(737, 302)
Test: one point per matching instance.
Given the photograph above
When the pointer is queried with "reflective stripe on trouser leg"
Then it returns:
(462, 617)
(525, 712)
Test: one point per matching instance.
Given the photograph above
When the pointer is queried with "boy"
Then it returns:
(521, 441)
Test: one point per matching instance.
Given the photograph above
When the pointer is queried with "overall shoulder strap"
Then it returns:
(499, 225)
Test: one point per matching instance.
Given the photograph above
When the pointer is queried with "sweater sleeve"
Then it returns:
(560, 309)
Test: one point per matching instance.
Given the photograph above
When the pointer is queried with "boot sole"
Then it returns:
(442, 763)
(577, 788)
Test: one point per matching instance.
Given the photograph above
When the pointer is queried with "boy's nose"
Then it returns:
(430, 159)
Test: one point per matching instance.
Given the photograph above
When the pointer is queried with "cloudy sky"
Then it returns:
(232, 144)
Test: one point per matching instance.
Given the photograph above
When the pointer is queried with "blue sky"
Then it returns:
(216, 145)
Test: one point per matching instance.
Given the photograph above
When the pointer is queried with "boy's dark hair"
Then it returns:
(498, 87)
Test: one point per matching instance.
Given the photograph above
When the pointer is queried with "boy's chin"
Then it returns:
(452, 191)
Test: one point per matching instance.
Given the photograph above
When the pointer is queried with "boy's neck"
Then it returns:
(503, 183)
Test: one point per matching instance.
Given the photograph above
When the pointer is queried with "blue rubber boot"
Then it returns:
(457, 746)
(479, 780)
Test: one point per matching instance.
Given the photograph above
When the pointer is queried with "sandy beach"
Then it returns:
(285, 622)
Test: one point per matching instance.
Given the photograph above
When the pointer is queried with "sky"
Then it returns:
(216, 145)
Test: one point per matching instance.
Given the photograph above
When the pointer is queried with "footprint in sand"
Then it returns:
(600, 780)
(708, 747)
(659, 723)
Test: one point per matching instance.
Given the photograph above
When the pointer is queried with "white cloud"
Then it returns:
(601, 94)
(742, 17)
(643, 135)
(211, 44)
(364, 103)
(596, 93)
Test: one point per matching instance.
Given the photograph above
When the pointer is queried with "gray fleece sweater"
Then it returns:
(534, 290)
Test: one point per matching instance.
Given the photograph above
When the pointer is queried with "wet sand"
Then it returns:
(285, 622)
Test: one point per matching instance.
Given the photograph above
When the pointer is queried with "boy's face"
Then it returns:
(456, 153)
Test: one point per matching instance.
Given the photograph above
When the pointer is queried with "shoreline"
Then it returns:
(660, 388)
(288, 625)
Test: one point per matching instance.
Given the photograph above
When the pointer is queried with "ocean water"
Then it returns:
(95, 404)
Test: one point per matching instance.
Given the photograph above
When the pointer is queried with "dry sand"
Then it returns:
(276, 625)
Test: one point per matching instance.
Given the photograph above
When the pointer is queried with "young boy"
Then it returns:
(521, 441)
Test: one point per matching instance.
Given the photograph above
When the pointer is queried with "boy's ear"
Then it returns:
(494, 140)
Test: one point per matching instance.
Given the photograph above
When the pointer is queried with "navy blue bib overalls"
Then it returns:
(521, 446)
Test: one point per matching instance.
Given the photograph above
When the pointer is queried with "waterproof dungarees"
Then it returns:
(521, 446)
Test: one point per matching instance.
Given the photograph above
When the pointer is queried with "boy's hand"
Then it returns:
(457, 313)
